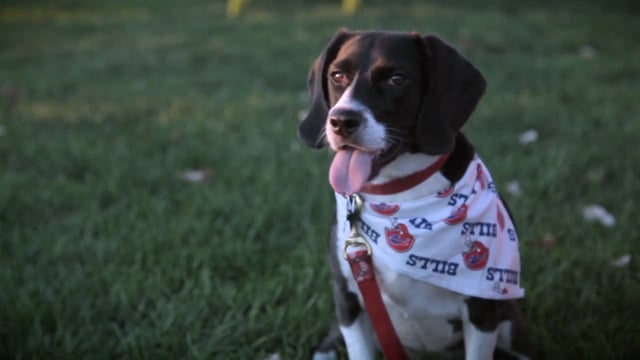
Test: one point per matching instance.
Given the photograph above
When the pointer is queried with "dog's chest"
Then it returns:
(422, 314)
(431, 249)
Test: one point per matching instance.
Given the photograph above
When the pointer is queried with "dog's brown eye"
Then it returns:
(396, 80)
(338, 77)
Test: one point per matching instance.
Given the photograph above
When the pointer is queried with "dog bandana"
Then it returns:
(461, 238)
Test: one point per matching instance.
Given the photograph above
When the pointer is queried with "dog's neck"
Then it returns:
(404, 165)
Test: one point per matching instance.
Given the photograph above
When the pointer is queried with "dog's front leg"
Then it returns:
(478, 345)
(358, 338)
(354, 324)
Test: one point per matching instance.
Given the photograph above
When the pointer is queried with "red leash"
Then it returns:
(362, 268)
(362, 265)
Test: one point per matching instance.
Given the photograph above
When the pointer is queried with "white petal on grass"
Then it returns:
(329, 355)
(176, 135)
(294, 146)
(588, 52)
(528, 137)
(595, 175)
(513, 187)
(195, 176)
(274, 356)
(598, 213)
(622, 261)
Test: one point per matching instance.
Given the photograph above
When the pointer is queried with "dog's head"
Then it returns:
(375, 95)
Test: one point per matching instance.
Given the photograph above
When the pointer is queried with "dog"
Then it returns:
(391, 106)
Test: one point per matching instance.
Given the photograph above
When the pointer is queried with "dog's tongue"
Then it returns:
(350, 170)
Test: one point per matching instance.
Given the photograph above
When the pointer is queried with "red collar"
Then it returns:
(401, 184)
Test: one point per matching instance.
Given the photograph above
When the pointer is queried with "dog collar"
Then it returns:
(405, 183)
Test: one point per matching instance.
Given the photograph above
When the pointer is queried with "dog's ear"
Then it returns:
(453, 87)
(312, 126)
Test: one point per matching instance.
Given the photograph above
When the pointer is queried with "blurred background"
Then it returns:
(156, 204)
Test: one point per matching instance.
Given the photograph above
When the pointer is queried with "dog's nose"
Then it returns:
(345, 122)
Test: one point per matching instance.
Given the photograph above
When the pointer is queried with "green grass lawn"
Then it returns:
(106, 253)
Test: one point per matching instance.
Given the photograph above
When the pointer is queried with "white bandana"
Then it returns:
(461, 238)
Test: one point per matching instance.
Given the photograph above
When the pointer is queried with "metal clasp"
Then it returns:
(354, 206)
(355, 241)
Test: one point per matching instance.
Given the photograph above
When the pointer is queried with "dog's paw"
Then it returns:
(329, 355)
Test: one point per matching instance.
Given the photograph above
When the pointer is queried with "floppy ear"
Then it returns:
(453, 87)
(311, 128)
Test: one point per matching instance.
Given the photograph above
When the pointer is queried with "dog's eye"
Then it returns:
(338, 77)
(396, 79)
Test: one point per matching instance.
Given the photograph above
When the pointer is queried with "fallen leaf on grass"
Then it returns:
(513, 187)
(595, 175)
(274, 356)
(588, 52)
(11, 96)
(467, 42)
(195, 176)
(548, 241)
(528, 137)
(176, 136)
(622, 261)
(294, 146)
(598, 213)
(11, 93)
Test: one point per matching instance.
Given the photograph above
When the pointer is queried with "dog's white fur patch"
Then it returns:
(358, 338)
(372, 135)
(427, 304)
(504, 334)
(478, 345)
(407, 164)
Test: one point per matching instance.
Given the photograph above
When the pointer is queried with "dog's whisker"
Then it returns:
(323, 136)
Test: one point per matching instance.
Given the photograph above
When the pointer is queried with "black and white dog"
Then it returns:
(444, 248)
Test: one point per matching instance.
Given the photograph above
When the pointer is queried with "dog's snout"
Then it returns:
(345, 122)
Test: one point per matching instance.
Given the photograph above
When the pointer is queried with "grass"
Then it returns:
(105, 253)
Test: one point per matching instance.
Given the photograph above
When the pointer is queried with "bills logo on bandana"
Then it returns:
(384, 208)
(445, 192)
(477, 256)
(399, 238)
(457, 216)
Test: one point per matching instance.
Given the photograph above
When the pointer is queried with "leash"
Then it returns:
(363, 272)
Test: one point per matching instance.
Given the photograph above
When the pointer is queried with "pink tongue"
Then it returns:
(350, 170)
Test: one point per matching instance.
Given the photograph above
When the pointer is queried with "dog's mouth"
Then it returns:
(353, 166)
